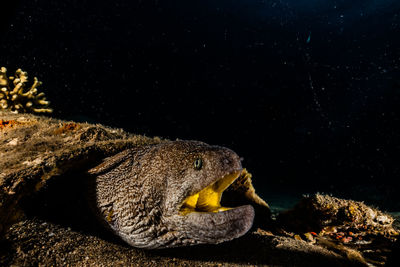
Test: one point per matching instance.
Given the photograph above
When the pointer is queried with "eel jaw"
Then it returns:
(202, 220)
(208, 199)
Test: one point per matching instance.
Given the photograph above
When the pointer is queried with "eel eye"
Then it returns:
(198, 163)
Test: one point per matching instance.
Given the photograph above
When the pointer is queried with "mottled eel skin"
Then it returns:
(167, 195)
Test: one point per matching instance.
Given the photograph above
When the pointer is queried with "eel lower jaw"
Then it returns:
(209, 198)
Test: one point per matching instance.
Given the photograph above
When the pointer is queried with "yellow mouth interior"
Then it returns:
(208, 199)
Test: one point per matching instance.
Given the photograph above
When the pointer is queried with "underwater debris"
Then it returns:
(351, 228)
(66, 127)
(325, 213)
(308, 38)
(16, 97)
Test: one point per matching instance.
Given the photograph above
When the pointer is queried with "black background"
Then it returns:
(308, 92)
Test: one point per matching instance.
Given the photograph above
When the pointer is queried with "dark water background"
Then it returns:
(307, 91)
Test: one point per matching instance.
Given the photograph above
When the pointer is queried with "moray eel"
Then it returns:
(168, 195)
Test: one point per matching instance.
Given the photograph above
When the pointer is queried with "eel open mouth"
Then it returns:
(209, 198)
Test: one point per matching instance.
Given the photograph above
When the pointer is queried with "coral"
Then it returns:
(15, 96)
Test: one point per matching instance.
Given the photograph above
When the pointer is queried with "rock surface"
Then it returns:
(35, 242)
(44, 219)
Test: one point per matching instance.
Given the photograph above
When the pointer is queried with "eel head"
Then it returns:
(169, 194)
